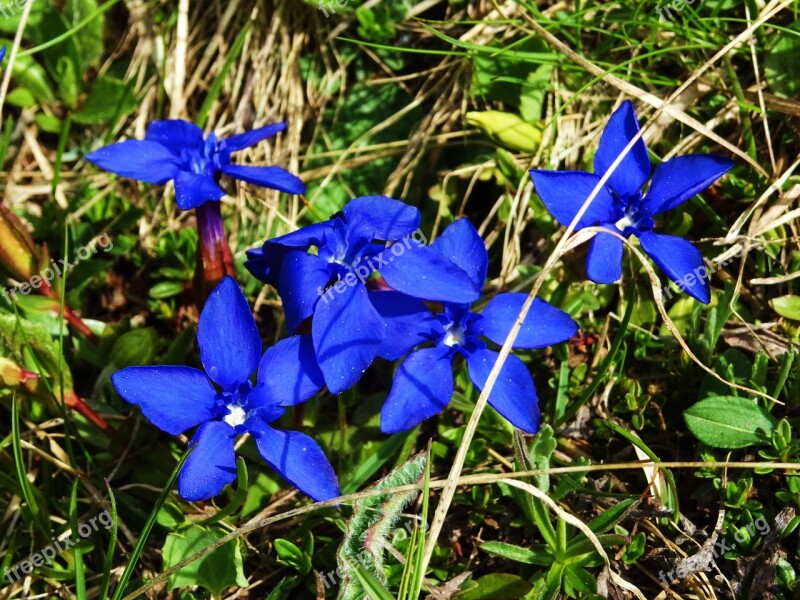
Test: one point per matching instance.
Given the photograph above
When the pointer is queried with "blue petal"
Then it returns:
(422, 388)
(138, 159)
(211, 465)
(310, 235)
(421, 272)
(2, 53)
(513, 395)
(564, 192)
(407, 323)
(274, 178)
(288, 373)
(177, 135)
(544, 325)
(192, 190)
(303, 280)
(631, 174)
(462, 244)
(251, 138)
(604, 261)
(680, 178)
(347, 333)
(230, 346)
(172, 398)
(299, 460)
(681, 261)
(380, 218)
(265, 262)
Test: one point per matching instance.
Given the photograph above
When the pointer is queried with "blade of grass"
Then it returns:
(148, 526)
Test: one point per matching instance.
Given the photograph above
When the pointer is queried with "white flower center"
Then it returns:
(237, 415)
(624, 222)
(454, 336)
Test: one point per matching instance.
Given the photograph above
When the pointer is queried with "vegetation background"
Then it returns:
(444, 104)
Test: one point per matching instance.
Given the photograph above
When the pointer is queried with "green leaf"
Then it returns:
(108, 99)
(216, 571)
(782, 65)
(497, 586)
(729, 422)
(374, 589)
(21, 98)
(90, 41)
(787, 306)
(30, 74)
(166, 289)
(134, 348)
(507, 129)
(577, 579)
(518, 553)
(636, 549)
(291, 555)
(609, 517)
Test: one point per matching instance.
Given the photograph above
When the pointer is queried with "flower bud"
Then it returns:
(18, 255)
(507, 129)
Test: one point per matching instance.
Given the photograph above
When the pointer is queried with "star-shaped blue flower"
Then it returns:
(621, 206)
(423, 384)
(225, 403)
(175, 149)
(351, 323)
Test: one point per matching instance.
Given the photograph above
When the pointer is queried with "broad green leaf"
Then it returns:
(215, 572)
(137, 347)
(729, 422)
(497, 586)
(108, 99)
(782, 65)
(787, 306)
(90, 40)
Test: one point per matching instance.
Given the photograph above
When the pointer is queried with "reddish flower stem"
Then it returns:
(214, 257)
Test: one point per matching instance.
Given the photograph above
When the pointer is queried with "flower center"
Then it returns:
(453, 336)
(236, 416)
(624, 222)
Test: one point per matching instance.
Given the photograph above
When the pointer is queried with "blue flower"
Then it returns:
(175, 149)
(225, 403)
(621, 206)
(350, 327)
(423, 384)
(2, 52)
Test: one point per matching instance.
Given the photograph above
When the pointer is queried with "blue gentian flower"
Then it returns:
(2, 52)
(350, 327)
(423, 385)
(225, 403)
(622, 207)
(175, 149)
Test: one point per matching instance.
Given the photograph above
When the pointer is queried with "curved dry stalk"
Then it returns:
(483, 479)
(583, 527)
